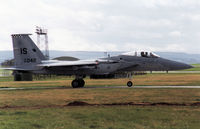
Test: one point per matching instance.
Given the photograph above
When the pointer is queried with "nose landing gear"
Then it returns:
(130, 77)
(129, 83)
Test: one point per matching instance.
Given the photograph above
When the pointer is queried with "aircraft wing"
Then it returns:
(69, 63)
(16, 69)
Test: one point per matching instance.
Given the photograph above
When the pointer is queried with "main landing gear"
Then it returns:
(78, 83)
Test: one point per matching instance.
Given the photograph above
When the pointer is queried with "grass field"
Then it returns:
(48, 108)
(196, 68)
(118, 117)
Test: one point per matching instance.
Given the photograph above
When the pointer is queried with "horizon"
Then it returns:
(113, 51)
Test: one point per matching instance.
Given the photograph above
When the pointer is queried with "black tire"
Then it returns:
(129, 83)
(81, 83)
(17, 77)
(75, 83)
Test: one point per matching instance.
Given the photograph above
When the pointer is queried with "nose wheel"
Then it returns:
(130, 77)
(77, 83)
(129, 83)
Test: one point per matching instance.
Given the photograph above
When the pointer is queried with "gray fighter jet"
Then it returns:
(30, 60)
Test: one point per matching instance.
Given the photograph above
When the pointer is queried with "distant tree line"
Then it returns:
(8, 63)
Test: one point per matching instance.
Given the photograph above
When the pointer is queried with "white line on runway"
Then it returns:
(146, 87)
(32, 88)
(159, 87)
(150, 87)
(109, 87)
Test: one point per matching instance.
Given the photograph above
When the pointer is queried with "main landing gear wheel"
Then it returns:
(77, 83)
(81, 83)
(129, 83)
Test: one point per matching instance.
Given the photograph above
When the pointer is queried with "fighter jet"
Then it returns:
(28, 58)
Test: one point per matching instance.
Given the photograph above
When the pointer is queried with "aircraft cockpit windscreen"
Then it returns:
(142, 54)
(149, 54)
(154, 55)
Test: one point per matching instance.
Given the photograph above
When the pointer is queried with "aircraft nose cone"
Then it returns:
(184, 66)
(179, 66)
(173, 65)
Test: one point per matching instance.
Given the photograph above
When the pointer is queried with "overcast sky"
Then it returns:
(105, 25)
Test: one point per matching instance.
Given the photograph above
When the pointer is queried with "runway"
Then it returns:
(104, 87)
(150, 87)
(168, 87)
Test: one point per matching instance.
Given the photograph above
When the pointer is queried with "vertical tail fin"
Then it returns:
(26, 53)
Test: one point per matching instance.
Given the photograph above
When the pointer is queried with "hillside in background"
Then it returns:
(182, 57)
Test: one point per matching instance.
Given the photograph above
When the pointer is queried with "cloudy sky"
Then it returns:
(105, 25)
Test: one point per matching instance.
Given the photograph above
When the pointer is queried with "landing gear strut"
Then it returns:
(130, 76)
(77, 83)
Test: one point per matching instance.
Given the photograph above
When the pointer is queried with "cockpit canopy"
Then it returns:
(142, 54)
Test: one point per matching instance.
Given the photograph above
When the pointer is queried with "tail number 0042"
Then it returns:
(29, 60)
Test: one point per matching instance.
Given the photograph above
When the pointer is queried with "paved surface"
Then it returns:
(34, 88)
(168, 87)
(175, 72)
(148, 87)
(110, 87)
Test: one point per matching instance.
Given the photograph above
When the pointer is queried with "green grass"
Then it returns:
(46, 108)
(196, 65)
(196, 68)
(6, 79)
(5, 72)
(60, 97)
(119, 117)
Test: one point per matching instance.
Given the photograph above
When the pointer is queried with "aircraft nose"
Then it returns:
(181, 66)
(173, 65)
